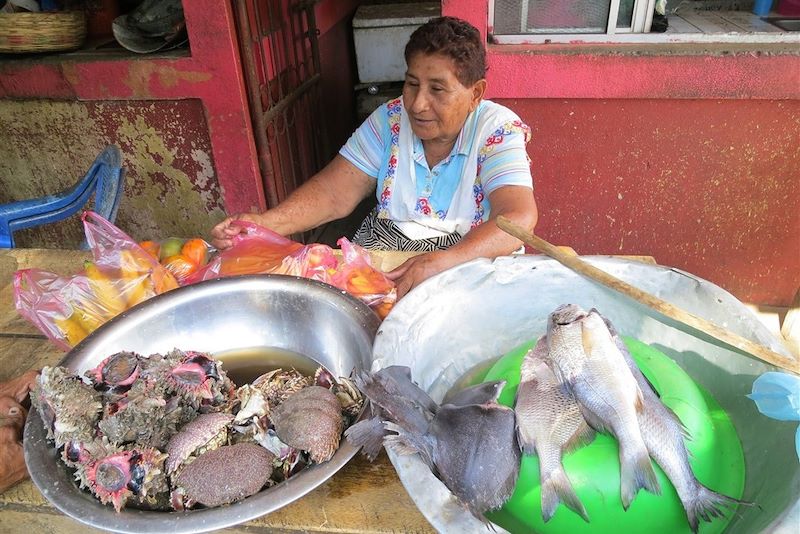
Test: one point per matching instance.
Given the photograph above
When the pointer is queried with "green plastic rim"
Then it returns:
(716, 457)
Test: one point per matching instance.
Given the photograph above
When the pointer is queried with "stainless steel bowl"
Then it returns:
(480, 310)
(295, 314)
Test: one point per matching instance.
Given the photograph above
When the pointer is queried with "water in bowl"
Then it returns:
(245, 365)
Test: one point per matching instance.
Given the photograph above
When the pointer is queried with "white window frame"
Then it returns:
(761, 32)
(641, 18)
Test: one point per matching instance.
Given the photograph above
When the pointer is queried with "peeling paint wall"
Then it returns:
(170, 188)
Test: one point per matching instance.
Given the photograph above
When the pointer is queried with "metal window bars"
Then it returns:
(280, 55)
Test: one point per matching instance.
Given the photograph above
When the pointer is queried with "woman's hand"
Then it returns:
(223, 233)
(419, 268)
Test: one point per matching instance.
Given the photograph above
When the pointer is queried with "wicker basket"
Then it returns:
(42, 32)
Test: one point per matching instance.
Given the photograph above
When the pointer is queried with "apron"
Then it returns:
(383, 234)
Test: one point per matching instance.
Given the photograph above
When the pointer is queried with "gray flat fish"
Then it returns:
(392, 396)
(476, 453)
(472, 449)
(477, 394)
(549, 422)
(586, 359)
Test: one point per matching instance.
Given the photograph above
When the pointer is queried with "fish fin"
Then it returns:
(638, 404)
(383, 389)
(685, 434)
(584, 436)
(708, 505)
(367, 434)
(636, 471)
(482, 393)
(526, 443)
(403, 443)
(586, 339)
(556, 488)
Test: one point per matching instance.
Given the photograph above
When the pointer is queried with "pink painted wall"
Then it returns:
(687, 153)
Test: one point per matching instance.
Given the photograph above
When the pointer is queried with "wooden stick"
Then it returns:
(661, 306)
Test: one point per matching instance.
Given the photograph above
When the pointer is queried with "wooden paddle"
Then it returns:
(663, 307)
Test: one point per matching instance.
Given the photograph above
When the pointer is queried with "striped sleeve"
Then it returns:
(367, 145)
(504, 160)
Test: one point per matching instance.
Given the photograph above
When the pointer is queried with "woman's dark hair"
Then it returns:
(455, 38)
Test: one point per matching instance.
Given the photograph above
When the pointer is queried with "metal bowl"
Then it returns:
(475, 312)
(299, 315)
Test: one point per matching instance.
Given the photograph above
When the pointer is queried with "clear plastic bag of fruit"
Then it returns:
(182, 257)
(119, 276)
(357, 276)
(257, 250)
(315, 261)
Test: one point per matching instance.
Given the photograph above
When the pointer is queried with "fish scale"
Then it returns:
(663, 435)
(549, 422)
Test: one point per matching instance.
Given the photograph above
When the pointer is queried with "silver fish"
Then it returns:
(586, 359)
(549, 422)
(664, 435)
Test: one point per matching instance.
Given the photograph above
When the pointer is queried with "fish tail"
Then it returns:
(636, 472)
(707, 505)
(557, 488)
(367, 434)
(383, 390)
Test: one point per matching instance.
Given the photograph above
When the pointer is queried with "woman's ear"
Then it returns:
(478, 90)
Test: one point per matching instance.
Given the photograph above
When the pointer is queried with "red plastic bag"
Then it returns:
(43, 298)
(315, 261)
(357, 276)
(257, 250)
(120, 275)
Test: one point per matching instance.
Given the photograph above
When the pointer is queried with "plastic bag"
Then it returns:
(257, 250)
(181, 257)
(120, 275)
(315, 261)
(357, 276)
(777, 395)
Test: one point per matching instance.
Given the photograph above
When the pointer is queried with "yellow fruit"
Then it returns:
(137, 285)
(106, 293)
(138, 289)
(72, 331)
(180, 266)
(89, 319)
(163, 280)
(134, 262)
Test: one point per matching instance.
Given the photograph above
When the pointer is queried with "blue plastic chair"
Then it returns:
(105, 179)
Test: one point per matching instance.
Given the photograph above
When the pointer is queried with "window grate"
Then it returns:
(278, 39)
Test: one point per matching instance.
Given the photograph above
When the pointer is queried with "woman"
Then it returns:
(443, 162)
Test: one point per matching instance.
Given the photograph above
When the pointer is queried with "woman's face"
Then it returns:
(436, 102)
